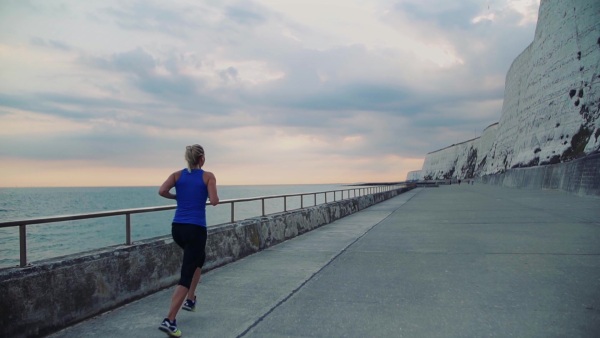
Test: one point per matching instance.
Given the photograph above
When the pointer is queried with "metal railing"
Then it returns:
(22, 224)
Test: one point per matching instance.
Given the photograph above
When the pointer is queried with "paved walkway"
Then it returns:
(453, 261)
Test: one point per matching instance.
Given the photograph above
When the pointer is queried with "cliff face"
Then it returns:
(551, 109)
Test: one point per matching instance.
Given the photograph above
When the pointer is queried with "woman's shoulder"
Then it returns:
(177, 174)
(208, 175)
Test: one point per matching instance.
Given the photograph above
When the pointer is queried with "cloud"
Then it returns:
(443, 14)
(245, 14)
(151, 16)
(36, 41)
(288, 89)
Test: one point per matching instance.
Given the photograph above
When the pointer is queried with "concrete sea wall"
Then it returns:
(579, 177)
(551, 107)
(53, 294)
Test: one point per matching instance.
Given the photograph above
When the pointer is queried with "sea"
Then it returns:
(51, 240)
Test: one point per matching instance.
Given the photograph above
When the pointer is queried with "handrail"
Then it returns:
(22, 224)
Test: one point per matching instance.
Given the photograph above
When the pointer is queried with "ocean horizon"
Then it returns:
(57, 239)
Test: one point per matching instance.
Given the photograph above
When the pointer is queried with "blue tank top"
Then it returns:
(192, 193)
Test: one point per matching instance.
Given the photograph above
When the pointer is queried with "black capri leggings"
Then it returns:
(192, 239)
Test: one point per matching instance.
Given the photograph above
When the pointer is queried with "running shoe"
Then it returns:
(170, 328)
(189, 305)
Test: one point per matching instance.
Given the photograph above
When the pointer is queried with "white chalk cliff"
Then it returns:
(551, 109)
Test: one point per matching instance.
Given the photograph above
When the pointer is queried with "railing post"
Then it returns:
(263, 206)
(23, 245)
(284, 203)
(315, 199)
(301, 201)
(128, 229)
(232, 213)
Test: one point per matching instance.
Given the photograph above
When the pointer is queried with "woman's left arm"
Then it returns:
(168, 184)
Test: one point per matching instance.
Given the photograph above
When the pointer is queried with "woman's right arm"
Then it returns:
(211, 184)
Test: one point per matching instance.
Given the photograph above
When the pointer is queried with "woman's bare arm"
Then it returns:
(211, 184)
(168, 184)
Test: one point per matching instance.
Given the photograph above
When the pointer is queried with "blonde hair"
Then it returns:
(192, 155)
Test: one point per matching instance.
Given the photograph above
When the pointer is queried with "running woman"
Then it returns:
(193, 187)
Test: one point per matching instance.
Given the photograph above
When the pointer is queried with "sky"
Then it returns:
(109, 93)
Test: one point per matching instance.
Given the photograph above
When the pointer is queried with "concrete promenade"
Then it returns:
(454, 261)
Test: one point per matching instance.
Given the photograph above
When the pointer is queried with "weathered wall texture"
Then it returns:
(53, 294)
(579, 177)
(551, 109)
(449, 162)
